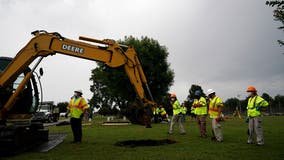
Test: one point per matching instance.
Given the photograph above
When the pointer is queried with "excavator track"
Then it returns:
(18, 138)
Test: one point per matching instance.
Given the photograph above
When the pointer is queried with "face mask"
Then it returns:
(172, 99)
(249, 94)
(76, 94)
(210, 96)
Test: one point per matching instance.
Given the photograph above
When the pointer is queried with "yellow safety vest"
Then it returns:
(254, 104)
(163, 111)
(156, 111)
(202, 110)
(192, 110)
(214, 105)
(176, 108)
(183, 110)
(77, 106)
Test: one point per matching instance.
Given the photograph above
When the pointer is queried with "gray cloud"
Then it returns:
(226, 45)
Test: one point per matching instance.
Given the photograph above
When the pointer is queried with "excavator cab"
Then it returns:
(27, 101)
(20, 133)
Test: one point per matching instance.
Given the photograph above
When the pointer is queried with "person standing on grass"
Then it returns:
(177, 115)
(215, 112)
(254, 107)
(200, 106)
(77, 107)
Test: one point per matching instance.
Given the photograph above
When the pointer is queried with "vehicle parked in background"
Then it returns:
(47, 112)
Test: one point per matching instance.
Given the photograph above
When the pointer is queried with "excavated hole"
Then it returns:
(148, 142)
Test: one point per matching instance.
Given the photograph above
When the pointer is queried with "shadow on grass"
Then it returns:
(147, 142)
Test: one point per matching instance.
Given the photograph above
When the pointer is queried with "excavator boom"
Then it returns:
(18, 102)
(44, 44)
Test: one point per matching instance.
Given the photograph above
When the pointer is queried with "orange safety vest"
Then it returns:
(77, 106)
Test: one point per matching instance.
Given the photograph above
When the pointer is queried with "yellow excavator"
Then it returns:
(19, 94)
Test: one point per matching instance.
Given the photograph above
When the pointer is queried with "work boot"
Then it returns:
(148, 126)
(213, 139)
(260, 144)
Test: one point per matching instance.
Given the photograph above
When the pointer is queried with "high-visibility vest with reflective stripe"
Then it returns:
(254, 103)
(176, 108)
(214, 105)
(77, 106)
(202, 110)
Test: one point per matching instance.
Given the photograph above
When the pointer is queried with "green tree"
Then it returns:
(111, 87)
(243, 104)
(278, 103)
(231, 104)
(269, 99)
(192, 90)
(62, 106)
(278, 14)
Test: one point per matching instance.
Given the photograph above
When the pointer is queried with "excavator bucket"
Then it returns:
(137, 113)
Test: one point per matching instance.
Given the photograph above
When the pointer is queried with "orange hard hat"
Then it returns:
(173, 95)
(251, 89)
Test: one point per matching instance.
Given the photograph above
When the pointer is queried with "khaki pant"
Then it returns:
(201, 122)
(217, 130)
(176, 118)
(255, 126)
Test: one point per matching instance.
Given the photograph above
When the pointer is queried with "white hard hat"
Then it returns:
(210, 91)
(79, 91)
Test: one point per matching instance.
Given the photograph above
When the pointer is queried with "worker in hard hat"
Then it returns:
(254, 107)
(215, 113)
(77, 107)
(200, 106)
(177, 115)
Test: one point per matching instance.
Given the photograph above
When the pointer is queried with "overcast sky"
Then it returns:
(225, 45)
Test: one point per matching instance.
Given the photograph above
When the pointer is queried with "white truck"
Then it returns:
(47, 112)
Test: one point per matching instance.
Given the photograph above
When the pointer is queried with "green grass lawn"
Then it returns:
(98, 143)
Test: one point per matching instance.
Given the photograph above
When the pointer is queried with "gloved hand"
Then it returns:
(82, 115)
(218, 119)
(247, 119)
(257, 108)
